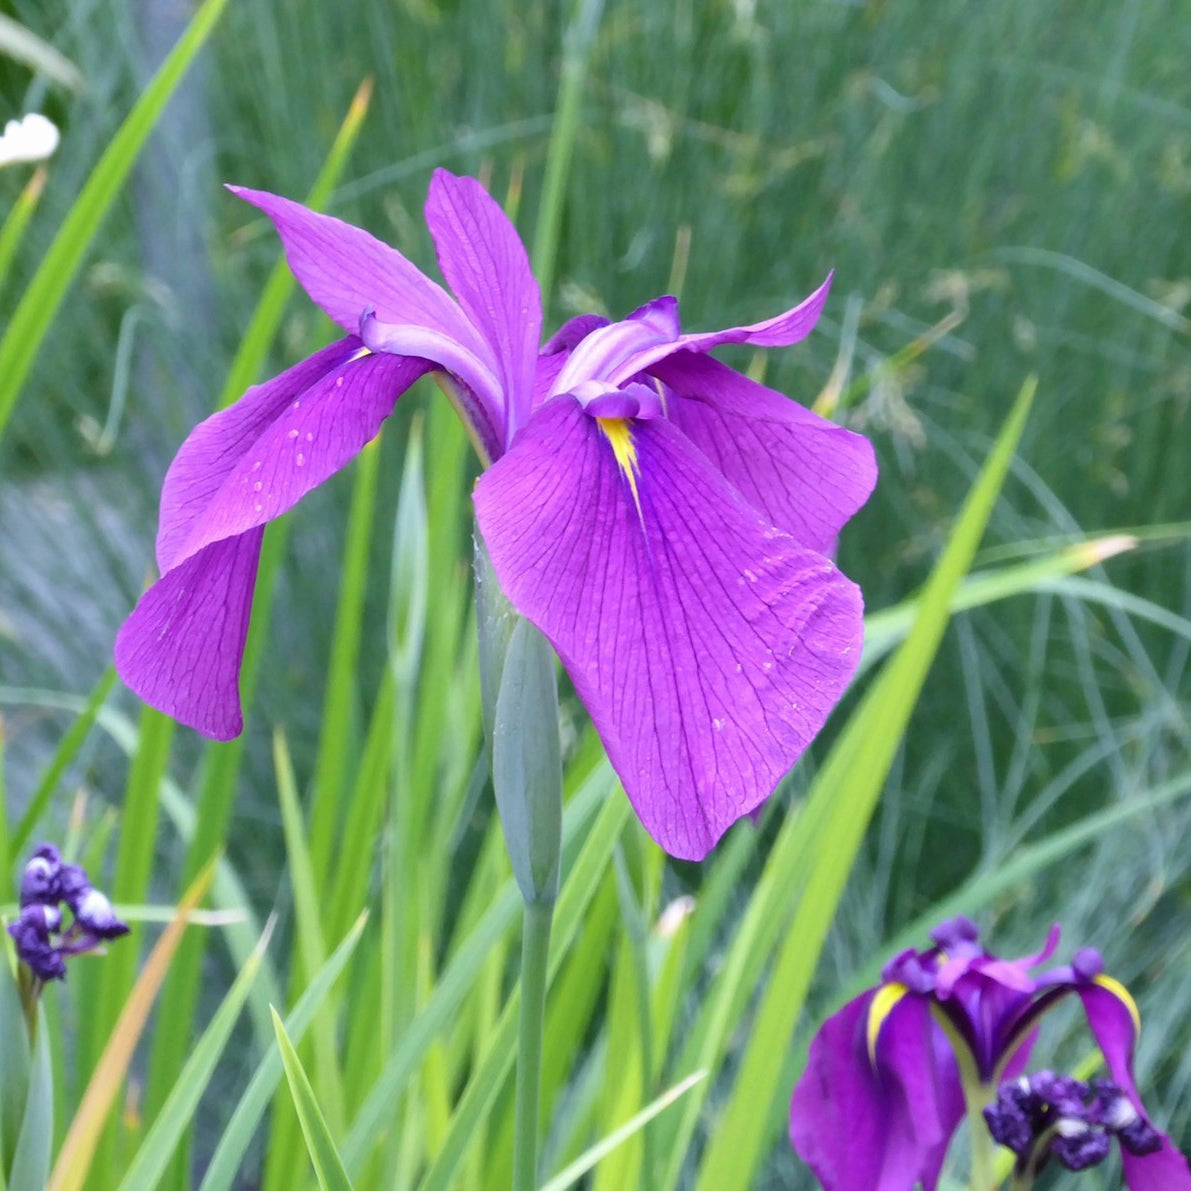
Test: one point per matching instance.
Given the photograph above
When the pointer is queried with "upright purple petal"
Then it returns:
(601, 353)
(886, 1127)
(806, 474)
(181, 648)
(573, 332)
(486, 266)
(345, 271)
(253, 461)
(708, 647)
(783, 331)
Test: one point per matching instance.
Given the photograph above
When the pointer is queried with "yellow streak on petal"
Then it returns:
(1123, 995)
(619, 434)
(879, 1009)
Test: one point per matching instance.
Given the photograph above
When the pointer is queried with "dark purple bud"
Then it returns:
(1013, 1118)
(31, 933)
(1062, 1093)
(960, 929)
(39, 881)
(1140, 1137)
(40, 940)
(73, 885)
(95, 915)
(1087, 963)
(1077, 1145)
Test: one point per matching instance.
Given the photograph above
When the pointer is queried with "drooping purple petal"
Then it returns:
(806, 474)
(1164, 1170)
(708, 647)
(251, 462)
(486, 266)
(181, 648)
(1111, 1016)
(882, 1128)
(345, 271)
(786, 329)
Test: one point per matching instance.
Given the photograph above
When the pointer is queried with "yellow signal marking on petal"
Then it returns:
(619, 433)
(1123, 995)
(880, 1007)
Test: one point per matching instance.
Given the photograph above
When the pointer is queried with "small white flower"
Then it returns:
(32, 139)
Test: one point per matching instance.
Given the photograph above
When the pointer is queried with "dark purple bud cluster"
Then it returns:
(1045, 1116)
(41, 942)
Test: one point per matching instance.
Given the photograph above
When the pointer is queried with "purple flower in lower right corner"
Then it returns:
(890, 1075)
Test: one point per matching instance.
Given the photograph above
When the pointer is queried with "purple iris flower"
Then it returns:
(46, 884)
(882, 1092)
(664, 520)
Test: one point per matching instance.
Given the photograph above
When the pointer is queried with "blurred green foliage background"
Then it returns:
(1006, 186)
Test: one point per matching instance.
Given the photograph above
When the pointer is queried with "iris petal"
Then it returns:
(1112, 1018)
(181, 648)
(486, 266)
(601, 354)
(214, 447)
(251, 462)
(345, 271)
(806, 474)
(708, 647)
(862, 1127)
(783, 330)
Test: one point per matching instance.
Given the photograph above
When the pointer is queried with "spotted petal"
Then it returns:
(806, 474)
(181, 648)
(253, 461)
(708, 647)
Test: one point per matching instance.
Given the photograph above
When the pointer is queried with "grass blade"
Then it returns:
(455, 981)
(74, 1159)
(569, 1176)
(39, 304)
(154, 1153)
(31, 1157)
(488, 1080)
(15, 222)
(21, 43)
(64, 754)
(237, 1136)
(328, 1166)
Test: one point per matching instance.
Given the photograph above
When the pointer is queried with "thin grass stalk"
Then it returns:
(34, 316)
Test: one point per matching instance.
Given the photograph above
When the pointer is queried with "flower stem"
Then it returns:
(535, 950)
(980, 1140)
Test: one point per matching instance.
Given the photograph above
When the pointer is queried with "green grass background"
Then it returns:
(1019, 172)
